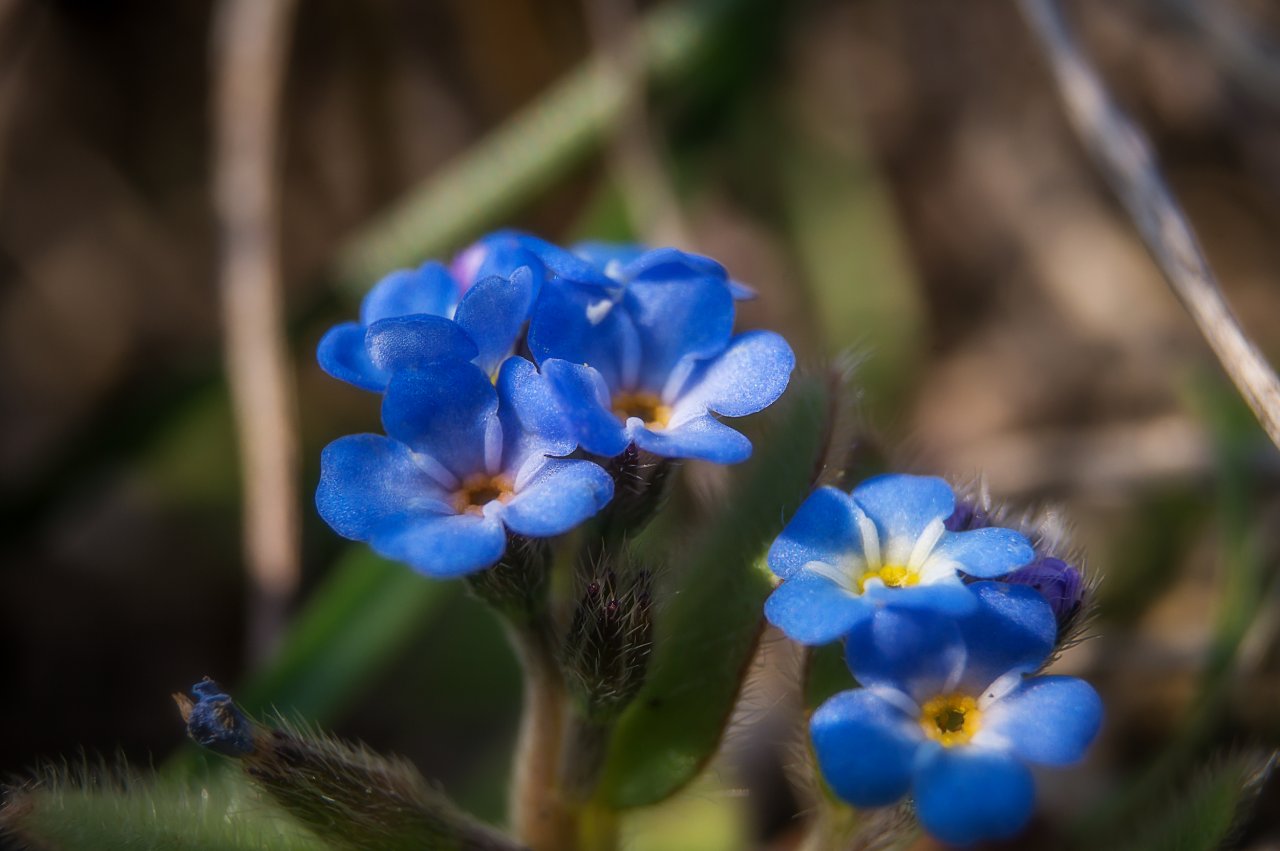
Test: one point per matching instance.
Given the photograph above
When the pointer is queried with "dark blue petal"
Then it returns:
(964, 795)
(824, 529)
(343, 355)
(812, 609)
(1045, 720)
(443, 412)
(748, 376)
(443, 545)
(565, 264)
(493, 313)
(672, 264)
(686, 318)
(557, 497)
(584, 399)
(429, 289)
(609, 257)
(865, 747)
(1012, 628)
(949, 597)
(502, 259)
(405, 342)
(985, 553)
(704, 438)
(582, 325)
(1058, 582)
(533, 422)
(917, 652)
(902, 506)
(367, 480)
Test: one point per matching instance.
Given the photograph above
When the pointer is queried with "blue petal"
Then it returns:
(443, 545)
(443, 412)
(584, 399)
(814, 610)
(917, 652)
(865, 747)
(1046, 720)
(533, 422)
(584, 326)
(367, 481)
(343, 355)
(678, 319)
(1012, 628)
(565, 264)
(824, 529)
(604, 255)
(748, 376)
(704, 438)
(902, 506)
(740, 291)
(672, 264)
(403, 342)
(946, 596)
(964, 795)
(429, 289)
(985, 553)
(559, 496)
(493, 313)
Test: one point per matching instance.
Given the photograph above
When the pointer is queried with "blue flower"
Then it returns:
(1061, 585)
(948, 715)
(651, 362)
(844, 556)
(625, 262)
(464, 463)
(416, 317)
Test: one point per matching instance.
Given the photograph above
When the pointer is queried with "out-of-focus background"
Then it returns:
(895, 177)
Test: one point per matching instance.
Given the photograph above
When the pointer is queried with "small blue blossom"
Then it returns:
(625, 262)
(1061, 585)
(844, 556)
(464, 462)
(947, 715)
(416, 317)
(651, 362)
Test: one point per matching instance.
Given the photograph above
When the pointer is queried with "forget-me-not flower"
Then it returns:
(947, 714)
(625, 262)
(416, 317)
(651, 362)
(464, 463)
(842, 557)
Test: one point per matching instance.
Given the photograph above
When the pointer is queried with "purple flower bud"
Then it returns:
(967, 516)
(1058, 582)
(214, 721)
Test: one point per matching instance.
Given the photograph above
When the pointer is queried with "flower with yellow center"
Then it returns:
(952, 719)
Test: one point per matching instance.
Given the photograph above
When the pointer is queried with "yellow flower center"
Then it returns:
(480, 490)
(646, 406)
(893, 576)
(952, 719)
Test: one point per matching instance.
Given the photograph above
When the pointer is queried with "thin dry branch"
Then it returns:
(250, 46)
(1126, 158)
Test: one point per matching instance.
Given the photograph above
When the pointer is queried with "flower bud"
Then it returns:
(517, 585)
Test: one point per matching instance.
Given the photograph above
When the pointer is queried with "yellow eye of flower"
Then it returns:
(480, 490)
(892, 576)
(952, 719)
(646, 406)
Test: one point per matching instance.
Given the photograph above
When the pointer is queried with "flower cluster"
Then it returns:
(627, 349)
(950, 711)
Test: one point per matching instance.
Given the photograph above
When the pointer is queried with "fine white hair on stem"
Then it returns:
(249, 53)
(1125, 156)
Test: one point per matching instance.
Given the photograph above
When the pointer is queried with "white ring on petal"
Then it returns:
(870, 539)
(925, 543)
(437, 471)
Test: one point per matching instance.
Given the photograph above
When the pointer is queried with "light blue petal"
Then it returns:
(748, 376)
(604, 255)
(405, 342)
(704, 438)
(865, 747)
(965, 795)
(823, 529)
(443, 412)
(584, 399)
(740, 291)
(1046, 720)
(443, 546)
(950, 597)
(582, 325)
(814, 610)
(1012, 628)
(531, 416)
(986, 553)
(493, 313)
(504, 259)
(917, 652)
(685, 318)
(562, 494)
(429, 289)
(343, 355)
(368, 481)
(902, 506)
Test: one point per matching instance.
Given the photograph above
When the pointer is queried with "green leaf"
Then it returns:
(99, 810)
(1208, 812)
(707, 632)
